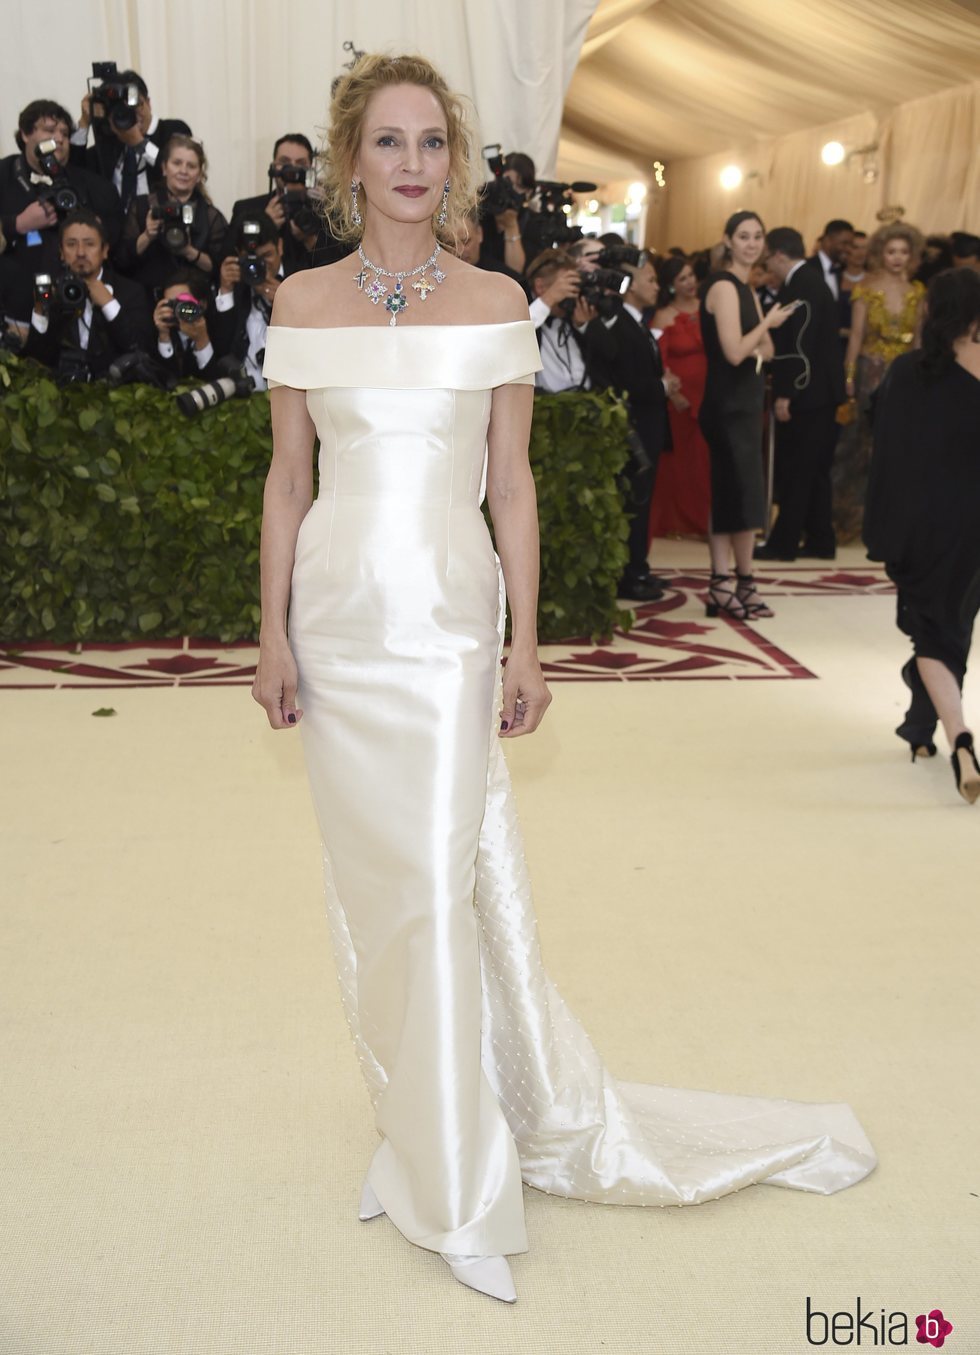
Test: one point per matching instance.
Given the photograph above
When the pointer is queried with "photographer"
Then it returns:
(184, 345)
(87, 315)
(177, 226)
(629, 361)
(504, 214)
(291, 208)
(129, 139)
(38, 188)
(560, 316)
(243, 306)
(469, 244)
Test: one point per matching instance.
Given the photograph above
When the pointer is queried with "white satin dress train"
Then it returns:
(479, 1075)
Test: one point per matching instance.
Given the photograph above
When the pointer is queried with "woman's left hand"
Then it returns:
(526, 697)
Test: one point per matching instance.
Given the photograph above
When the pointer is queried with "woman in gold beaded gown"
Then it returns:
(886, 321)
(383, 608)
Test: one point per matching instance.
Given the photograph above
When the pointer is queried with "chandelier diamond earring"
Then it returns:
(355, 212)
(441, 218)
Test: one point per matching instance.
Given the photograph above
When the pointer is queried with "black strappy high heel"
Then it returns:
(965, 767)
(745, 591)
(723, 599)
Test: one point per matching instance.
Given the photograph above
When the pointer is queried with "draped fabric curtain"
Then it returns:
(926, 161)
(241, 72)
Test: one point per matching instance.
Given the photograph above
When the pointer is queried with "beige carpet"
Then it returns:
(741, 886)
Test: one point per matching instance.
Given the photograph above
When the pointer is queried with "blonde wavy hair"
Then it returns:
(895, 230)
(336, 157)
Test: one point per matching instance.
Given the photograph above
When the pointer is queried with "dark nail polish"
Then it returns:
(291, 719)
(504, 724)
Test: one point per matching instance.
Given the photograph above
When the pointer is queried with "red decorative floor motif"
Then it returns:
(672, 639)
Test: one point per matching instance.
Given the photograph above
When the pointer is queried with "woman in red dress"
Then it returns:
(682, 496)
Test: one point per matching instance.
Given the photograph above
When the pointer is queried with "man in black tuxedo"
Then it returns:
(306, 243)
(624, 354)
(807, 390)
(28, 215)
(114, 319)
(831, 255)
(242, 310)
(829, 263)
(128, 157)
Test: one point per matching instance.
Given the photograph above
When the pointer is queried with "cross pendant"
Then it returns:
(423, 287)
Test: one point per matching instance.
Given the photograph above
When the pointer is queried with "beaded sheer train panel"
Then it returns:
(581, 1132)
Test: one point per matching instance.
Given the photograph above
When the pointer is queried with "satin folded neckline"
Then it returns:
(470, 357)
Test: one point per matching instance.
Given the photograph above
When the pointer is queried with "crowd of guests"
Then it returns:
(114, 261)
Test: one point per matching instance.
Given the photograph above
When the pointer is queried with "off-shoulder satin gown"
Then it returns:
(479, 1074)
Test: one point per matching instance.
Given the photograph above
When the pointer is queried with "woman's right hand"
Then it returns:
(275, 684)
(777, 315)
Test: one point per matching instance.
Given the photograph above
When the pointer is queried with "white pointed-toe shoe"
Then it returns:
(370, 1206)
(488, 1274)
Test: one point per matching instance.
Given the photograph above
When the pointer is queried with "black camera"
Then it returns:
(552, 204)
(614, 256)
(294, 184)
(300, 209)
(294, 174)
(112, 101)
(604, 288)
(499, 194)
(177, 218)
(65, 292)
(59, 193)
(233, 381)
(253, 271)
(139, 367)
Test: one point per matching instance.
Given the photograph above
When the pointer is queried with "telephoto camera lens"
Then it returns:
(233, 381)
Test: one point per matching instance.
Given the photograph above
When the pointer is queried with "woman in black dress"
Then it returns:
(736, 342)
(151, 256)
(922, 516)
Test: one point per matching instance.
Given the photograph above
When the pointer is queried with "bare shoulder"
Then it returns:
(306, 297)
(720, 289)
(496, 298)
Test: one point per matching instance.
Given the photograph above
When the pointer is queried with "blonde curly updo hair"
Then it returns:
(348, 104)
(896, 230)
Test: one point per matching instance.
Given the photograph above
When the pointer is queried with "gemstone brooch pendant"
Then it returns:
(396, 303)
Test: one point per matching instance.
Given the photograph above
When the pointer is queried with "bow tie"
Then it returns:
(40, 178)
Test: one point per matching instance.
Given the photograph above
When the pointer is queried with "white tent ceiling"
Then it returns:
(673, 79)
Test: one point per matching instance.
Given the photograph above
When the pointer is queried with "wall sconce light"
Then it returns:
(835, 153)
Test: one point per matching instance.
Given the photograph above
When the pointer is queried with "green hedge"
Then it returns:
(121, 518)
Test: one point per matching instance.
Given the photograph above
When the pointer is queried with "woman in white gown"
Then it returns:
(383, 610)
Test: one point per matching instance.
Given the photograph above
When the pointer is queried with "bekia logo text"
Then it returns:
(873, 1328)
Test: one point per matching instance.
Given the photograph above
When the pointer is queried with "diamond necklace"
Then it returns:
(397, 301)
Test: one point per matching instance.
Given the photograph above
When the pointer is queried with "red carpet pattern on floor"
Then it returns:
(671, 639)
